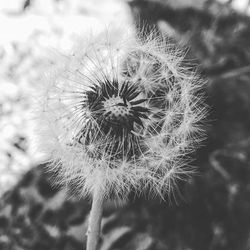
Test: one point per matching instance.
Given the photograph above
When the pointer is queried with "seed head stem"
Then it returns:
(94, 226)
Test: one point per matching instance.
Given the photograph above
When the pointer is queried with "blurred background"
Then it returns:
(216, 211)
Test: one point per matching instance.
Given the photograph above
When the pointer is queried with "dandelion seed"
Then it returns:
(121, 112)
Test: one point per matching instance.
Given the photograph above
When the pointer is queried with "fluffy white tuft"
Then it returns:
(153, 155)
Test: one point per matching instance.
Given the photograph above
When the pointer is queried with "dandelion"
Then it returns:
(121, 113)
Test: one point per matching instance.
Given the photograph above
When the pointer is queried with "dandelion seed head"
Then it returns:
(121, 113)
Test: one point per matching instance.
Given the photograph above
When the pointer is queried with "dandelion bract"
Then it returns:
(120, 112)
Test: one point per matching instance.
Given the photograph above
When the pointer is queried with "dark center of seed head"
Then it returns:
(117, 108)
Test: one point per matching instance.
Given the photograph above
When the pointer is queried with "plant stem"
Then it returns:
(93, 233)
